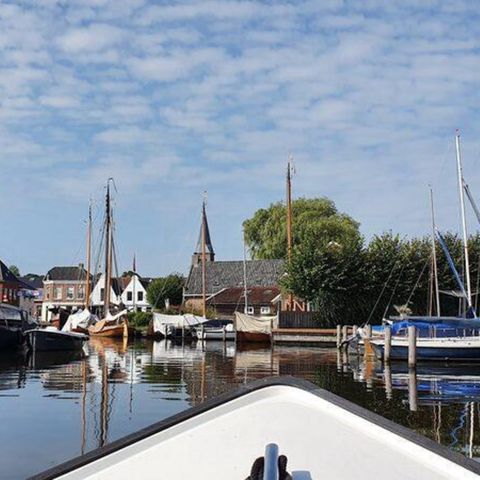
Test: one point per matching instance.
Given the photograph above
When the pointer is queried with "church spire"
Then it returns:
(209, 252)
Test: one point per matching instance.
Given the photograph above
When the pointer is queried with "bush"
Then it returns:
(139, 319)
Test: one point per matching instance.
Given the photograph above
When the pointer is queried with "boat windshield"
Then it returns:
(10, 313)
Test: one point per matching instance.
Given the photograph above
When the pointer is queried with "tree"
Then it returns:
(15, 270)
(170, 287)
(266, 231)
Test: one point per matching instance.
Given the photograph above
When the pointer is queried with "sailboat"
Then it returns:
(441, 338)
(111, 325)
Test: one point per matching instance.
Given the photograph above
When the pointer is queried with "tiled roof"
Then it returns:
(236, 296)
(33, 280)
(66, 273)
(227, 274)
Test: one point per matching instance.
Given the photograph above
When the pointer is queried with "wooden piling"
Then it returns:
(387, 350)
(339, 336)
(224, 334)
(412, 346)
(412, 389)
(202, 332)
(345, 335)
(355, 329)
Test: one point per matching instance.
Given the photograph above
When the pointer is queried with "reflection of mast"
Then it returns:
(104, 405)
(84, 398)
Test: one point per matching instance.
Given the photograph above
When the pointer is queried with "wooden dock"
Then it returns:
(325, 337)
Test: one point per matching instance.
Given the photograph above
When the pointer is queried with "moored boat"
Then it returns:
(116, 327)
(13, 322)
(243, 431)
(216, 330)
(51, 339)
(443, 348)
(251, 329)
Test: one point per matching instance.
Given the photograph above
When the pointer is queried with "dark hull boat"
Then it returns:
(54, 340)
(13, 322)
(244, 432)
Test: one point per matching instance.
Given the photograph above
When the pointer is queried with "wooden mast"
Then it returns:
(289, 223)
(108, 252)
(204, 262)
(245, 287)
(89, 248)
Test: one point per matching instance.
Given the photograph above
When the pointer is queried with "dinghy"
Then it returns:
(52, 339)
(278, 422)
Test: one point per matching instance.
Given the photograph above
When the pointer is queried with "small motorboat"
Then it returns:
(216, 330)
(52, 339)
(13, 322)
(434, 348)
(243, 432)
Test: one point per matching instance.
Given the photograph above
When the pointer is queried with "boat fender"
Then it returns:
(257, 471)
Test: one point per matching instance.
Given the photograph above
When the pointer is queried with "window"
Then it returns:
(129, 296)
(57, 293)
(250, 310)
(70, 293)
(102, 294)
(264, 310)
(81, 292)
(140, 296)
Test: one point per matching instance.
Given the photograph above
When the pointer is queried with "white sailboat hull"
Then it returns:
(323, 437)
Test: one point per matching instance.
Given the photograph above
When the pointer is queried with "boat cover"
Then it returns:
(176, 321)
(248, 323)
(81, 319)
(441, 326)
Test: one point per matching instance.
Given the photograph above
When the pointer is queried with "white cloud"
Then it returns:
(93, 38)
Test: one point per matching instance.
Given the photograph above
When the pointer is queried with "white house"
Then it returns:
(97, 297)
(134, 295)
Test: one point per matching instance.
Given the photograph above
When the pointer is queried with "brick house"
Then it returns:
(10, 286)
(63, 289)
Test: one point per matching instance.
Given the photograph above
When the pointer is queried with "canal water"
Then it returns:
(57, 406)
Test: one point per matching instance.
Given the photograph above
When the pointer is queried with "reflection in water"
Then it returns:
(57, 406)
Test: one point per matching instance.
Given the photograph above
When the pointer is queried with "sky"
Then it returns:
(172, 99)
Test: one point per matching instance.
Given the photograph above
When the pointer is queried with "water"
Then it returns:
(56, 406)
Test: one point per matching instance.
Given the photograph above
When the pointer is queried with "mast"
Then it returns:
(108, 252)
(204, 261)
(434, 256)
(289, 223)
(134, 282)
(89, 248)
(245, 290)
(461, 186)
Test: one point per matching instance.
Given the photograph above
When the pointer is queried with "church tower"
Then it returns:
(209, 253)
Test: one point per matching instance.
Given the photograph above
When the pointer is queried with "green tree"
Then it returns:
(170, 287)
(266, 231)
(15, 270)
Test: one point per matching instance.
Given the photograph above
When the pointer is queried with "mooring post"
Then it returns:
(339, 336)
(387, 349)
(202, 332)
(355, 329)
(224, 333)
(345, 335)
(412, 346)
(412, 389)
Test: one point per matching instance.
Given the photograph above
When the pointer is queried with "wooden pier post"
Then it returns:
(387, 372)
(339, 336)
(355, 329)
(412, 389)
(387, 350)
(202, 332)
(345, 335)
(412, 346)
(224, 334)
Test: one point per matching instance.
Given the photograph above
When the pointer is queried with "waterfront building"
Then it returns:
(134, 295)
(63, 289)
(225, 281)
(31, 297)
(10, 286)
(97, 296)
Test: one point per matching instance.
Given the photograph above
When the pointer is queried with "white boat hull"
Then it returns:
(322, 435)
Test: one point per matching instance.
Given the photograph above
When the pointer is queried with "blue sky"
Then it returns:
(173, 99)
